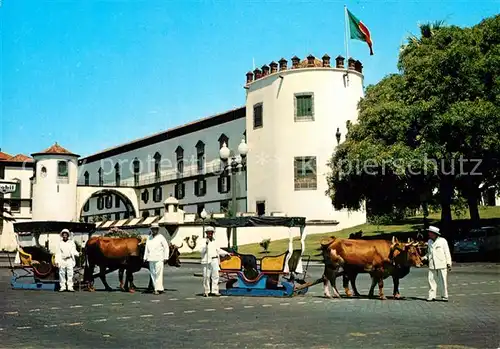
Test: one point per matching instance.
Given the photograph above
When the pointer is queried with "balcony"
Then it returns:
(212, 167)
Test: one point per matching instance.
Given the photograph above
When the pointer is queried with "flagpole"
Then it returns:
(346, 29)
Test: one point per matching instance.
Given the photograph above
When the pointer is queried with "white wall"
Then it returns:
(54, 200)
(274, 146)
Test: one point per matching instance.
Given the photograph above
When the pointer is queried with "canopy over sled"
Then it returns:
(41, 227)
(240, 222)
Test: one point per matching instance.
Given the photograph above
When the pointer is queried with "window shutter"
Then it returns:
(228, 179)
(183, 186)
(204, 187)
(196, 188)
(219, 184)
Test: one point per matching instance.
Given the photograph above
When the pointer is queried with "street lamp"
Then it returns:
(231, 164)
(203, 216)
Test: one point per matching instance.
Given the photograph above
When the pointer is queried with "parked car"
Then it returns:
(478, 244)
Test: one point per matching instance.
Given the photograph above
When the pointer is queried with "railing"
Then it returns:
(188, 171)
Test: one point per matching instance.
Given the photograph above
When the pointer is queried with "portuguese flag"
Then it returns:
(359, 31)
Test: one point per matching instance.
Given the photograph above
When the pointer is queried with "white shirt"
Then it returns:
(156, 248)
(438, 253)
(66, 253)
(210, 251)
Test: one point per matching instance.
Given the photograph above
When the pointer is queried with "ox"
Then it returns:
(379, 258)
(118, 253)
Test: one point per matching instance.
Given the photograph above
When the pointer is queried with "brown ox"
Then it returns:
(379, 258)
(109, 254)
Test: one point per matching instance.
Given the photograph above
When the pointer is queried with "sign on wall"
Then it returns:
(7, 187)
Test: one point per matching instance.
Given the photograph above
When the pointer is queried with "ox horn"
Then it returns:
(179, 247)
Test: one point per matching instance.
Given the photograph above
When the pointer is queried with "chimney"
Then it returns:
(274, 67)
(295, 62)
(265, 70)
(310, 61)
(249, 77)
(358, 66)
(339, 62)
(283, 64)
(326, 61)
(351, 63)
(257, 74)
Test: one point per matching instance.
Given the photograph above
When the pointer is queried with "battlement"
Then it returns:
(309, 62)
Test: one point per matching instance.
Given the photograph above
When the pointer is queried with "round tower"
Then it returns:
(295, 118)
(55, 185)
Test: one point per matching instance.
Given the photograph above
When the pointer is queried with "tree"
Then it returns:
(439, 112)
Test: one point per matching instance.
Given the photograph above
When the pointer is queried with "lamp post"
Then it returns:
(203, 216)
(231, 164)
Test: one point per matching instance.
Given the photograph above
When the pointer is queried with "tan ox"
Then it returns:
(379, 258)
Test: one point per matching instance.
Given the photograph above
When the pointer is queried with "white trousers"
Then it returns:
(211, 273)
(438, 276)
(66, 277)
(156, 271)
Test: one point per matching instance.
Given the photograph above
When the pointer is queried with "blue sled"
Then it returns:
(51, 285)
(257, 288)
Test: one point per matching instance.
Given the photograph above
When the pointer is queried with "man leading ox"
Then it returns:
(156, 253)
(439, 257)
(65, 260)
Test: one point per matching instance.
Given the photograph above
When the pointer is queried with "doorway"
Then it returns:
(261, 208)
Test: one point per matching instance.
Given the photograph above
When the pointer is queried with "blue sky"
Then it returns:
(93, 74)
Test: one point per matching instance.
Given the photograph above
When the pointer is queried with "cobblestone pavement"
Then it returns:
(181, 318)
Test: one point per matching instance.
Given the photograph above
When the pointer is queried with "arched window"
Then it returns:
(223, 139)
(200, 156)
(62, 169)
(87, 177)
(179, 156)
(137, 170)
(99, 173)
(157, 158)
(117, 174)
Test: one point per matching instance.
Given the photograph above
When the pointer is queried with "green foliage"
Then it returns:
(424, 127)
(119, 233)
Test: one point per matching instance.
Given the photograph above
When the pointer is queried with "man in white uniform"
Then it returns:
(156, 254)
(439, 257)
(66, 260)
(210, 261)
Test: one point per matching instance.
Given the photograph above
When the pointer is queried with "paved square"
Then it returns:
(181, 318)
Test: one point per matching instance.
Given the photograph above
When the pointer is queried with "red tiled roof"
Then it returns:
(19, 158)
(55, 149)
(4, 156)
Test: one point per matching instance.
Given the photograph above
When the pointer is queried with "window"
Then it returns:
(200, 187)
(260, 208)
(305, 173)
(223, 184)
(224, 206)
(100, 202)
(257, 116)
(86, 207)
(117, 216)
(117, 201)
(16, 194)
(199, 209)
(223, 139)
(157, 158)
(62, 169)
(179, 155)
(86, 176)
(2, 171)
(137, 170)
(145, 196)
(108, 201)
(200, 156)
(157, 212)
(157, 194)
(15, 206)
(117, 174)
(180, 190)
(304, 107)
(99, 173)
(145, 214)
